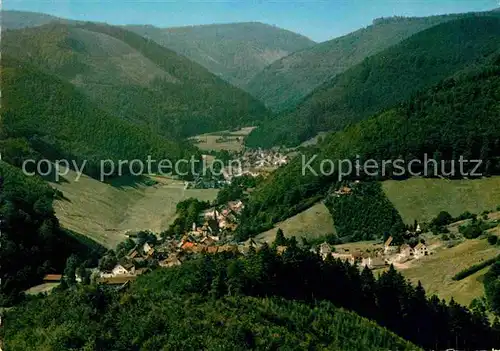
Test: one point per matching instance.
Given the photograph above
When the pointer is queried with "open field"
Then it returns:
(436, 271)
(311, 223)
(234, 141)
(422, 198)
(105, 212)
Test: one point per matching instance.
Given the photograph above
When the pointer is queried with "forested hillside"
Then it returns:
(32, 242)
(236, 51)
(384, 80)
(450, 120)
(134, 78)
(59, 122)
(287, 81)
(260, 301)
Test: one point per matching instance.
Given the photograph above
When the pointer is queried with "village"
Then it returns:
(251, 162)
(213, 233)
(214, 237)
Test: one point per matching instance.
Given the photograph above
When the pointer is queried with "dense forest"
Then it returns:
(384, 80)
(136, 79)
(365, 213)
(32, 242)
(246, 302)
(59, 122)
(450, 120)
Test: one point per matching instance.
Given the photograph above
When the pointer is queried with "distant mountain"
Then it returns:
(236, 52)
(134, 78)
(287, 81)
(383, 80)
(455, 118)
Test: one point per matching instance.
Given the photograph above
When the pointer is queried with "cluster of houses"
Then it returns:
(378, 258)
(372, 261)
(254, 163)
(216, 220)
(260, 158)
(404, 252)
(211, 237)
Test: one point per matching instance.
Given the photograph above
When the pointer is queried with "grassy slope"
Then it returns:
(422, 198)
(105, 212)
(314, 222)
(235, 51)
(436, 271)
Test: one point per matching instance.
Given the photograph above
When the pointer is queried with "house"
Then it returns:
(420, 250)
(208, 240)
(406, 250)
(146, 248)
(343, 191)
(388, 249)
(212, 249)
(373, 262)
(151, 253)
(171, 261)
(228, 248)
(325, 250)
(52, 278)
(119, 269)
(187, 246)
(405, 253)
(280, 249)
(133, 254)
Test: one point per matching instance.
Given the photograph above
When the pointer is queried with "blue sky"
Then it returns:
(319, 20)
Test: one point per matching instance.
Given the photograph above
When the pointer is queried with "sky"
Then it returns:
(316, 19)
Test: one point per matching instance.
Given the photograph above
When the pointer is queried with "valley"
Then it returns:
(241, 245)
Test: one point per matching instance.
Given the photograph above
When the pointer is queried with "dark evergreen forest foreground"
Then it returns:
(261, 301)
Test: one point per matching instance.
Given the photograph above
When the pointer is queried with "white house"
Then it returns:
(325, 250)
(420, 250)
(146, 248)
(123, 270)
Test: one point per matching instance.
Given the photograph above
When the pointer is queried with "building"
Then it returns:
(171, 261)
(146, 248)
(52, 278)
(119, 269)
(325, 250)
(373, 262)
(420, 250)
(280, 249)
